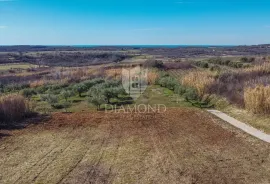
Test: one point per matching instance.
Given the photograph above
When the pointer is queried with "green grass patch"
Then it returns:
(24, 66)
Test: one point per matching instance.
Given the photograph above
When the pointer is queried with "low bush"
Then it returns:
(58, 106)
(179, 89)
(154, 64)
(29, 92)
(13, 108)
(190, 94)
(202, 64)
(177, 65)
(93, 82)
(50, 98)
(15, 87)
(168, 82)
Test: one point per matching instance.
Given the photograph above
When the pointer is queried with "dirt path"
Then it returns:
(246, 128)
(181, 146)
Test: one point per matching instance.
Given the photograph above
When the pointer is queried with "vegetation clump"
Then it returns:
(13, 108)
(257, 100)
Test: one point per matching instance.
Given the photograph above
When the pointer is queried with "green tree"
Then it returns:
(80, 88)
(97, 100)
(66, 94)
(51, 99)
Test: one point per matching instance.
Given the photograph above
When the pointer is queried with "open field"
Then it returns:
(180, 146)
(10, 66)
(69, 137)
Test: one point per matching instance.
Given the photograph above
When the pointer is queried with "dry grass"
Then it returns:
(200, 80)
(261, 69)
(152, 77)
(13, 108)
(257, 100)
(97, 147)
(114, 73)
(37, 83)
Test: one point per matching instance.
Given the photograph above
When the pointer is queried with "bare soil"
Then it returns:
(180, 146)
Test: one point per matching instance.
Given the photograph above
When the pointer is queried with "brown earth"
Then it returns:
(179, 146)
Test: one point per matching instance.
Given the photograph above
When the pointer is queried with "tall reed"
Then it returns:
(257, 100)
(200, 80)
(13, 108)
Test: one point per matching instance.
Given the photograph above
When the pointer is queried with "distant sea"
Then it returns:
(141, 46)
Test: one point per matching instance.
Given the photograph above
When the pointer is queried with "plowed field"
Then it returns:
(179, 146)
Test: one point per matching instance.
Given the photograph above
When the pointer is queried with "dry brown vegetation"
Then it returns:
(13, 108)
(200, 80)
(152, 77)
(257, 100)
(173, 147)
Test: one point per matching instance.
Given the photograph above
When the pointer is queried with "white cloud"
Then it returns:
(3, 27)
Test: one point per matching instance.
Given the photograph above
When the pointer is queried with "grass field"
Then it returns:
(9, 66)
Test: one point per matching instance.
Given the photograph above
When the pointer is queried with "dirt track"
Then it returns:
(180, 146)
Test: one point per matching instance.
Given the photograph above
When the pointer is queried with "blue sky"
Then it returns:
(123, 22)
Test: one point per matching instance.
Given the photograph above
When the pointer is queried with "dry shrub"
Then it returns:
(152, 77)
(259, 70)
(37, 83)
(13, 108)
(257, 100)
(178, 65)
(200, 80)
(113, 73)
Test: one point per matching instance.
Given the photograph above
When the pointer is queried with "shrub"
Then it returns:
(42, 89)
(58, 106)
(13, 108)
(179, 89)
(190, 94)
(91, 83)
(51, 99)
(202, 64)
(215, 68)
(217, 60)
(15, 87)
(154, 64)
(179, 65)
(244, 59)
(226, 62)
(247, 60)
(28, 93)
(168, 82)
